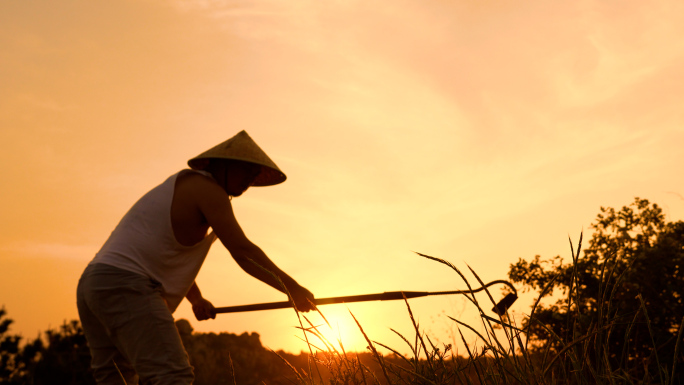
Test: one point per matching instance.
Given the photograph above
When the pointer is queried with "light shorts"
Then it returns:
(130, 331)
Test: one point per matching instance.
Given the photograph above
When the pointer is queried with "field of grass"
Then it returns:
(506, 355)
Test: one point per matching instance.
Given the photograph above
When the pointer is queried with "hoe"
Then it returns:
(500, 308)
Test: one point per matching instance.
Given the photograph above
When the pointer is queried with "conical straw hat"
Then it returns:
(242, 147)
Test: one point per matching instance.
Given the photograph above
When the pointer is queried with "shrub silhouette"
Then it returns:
(63, 359)
(627, 289)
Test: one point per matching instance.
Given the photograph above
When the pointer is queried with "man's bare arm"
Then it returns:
(214, 204)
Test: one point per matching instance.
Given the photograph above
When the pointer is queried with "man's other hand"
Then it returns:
(203, 310)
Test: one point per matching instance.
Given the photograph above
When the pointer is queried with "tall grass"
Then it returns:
(506, 355)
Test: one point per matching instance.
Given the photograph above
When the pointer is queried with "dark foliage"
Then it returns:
(62, 359)
(241, 359)
(626, 292)
(12, 365)
(65, 359)
(227, 358)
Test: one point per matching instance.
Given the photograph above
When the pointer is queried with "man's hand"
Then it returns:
(203, 309)
(303, 298)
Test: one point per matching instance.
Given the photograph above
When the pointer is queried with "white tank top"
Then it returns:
(144, 243)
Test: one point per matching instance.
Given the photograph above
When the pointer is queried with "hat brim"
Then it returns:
(243, 148)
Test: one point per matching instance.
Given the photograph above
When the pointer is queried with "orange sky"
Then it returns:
(478, 132)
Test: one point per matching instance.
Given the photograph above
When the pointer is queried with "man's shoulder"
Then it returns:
(194, 176)
(197, 181)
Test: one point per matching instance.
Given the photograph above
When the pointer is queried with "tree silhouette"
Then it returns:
(227, 358)
(63, 359)
(625, 292)
(16, 362)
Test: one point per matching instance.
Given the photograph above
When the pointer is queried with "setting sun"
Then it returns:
(334, 328)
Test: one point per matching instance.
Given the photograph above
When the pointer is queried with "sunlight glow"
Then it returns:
(334, 330)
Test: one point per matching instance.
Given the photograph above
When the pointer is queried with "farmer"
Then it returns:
(128, 292)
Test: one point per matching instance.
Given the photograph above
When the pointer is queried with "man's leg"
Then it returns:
(135, 317)
(151, 341)
(109, 366)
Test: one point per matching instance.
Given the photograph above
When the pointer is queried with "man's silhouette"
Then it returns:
(128, 292)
